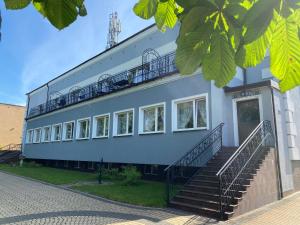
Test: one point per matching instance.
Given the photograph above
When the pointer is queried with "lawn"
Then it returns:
(49, 175)
(145, 193)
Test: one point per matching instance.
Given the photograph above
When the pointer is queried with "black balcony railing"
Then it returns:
(155, 69)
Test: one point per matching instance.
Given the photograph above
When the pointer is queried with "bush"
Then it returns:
(130, 175)
(111, 174)
(31, 164)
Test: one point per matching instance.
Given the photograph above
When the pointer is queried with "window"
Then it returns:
(68, 131)
(37, 135)
(101, 126)
(56, 132)
(152, 119)
(46, 134)
(29, 136)
(83, 129)
(190, 113)
(123, 122)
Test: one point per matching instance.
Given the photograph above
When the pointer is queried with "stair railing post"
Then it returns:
(220, 196)
(168, 186)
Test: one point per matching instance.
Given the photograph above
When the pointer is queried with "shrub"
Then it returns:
(31, 164)
(111, 174)
(130, 175)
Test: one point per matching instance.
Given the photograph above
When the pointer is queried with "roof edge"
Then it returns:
(101, 53)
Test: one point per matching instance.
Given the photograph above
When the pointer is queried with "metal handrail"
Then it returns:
(251, 150)
(226, 165)
(189, 152)
(10, 147)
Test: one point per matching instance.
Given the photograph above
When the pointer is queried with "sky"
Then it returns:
(32, 51)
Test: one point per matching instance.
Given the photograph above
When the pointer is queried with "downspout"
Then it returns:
(276, 143)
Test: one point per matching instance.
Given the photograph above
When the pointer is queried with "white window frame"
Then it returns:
(78, 128)
(115, 123)
(94, 135)
(53, 131)
(65, 129)
(193, 98)
(141, 118)
(43, 134)
(27, 136)
(34, 135)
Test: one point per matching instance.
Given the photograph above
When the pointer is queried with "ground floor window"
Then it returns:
(29, 136)
(101, 126)
(190, 113)
(123, 123)
(46, 134)
(83, 129)
(152, 119)
(68, 131)
(37, 135)
(56, 132)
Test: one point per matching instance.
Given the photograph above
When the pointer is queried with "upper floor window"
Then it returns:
(29, 136)
(152, 119)
(101, 126)
(56, 132)
(123, 122)
(37, 135)
(46, 134)
(68, 131)
(83, 129)
(190, 113)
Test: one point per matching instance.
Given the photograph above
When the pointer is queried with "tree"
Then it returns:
(217, 35)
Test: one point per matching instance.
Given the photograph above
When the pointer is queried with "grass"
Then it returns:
(49, 175)
(145, 193)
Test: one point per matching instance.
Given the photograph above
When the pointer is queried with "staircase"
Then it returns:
(10, 153)
(216, 188)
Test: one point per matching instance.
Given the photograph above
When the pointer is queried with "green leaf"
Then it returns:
(145, 8)
(254, 53)
(16, 4)
(258, 19)
(191, 48)
(165, 15)
(193, 19)
(219, 64)
(60, 13)
(285, 52)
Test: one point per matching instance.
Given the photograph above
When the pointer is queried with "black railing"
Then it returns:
(150, 71)
(244, 160)
(11, 147)
(179, 173)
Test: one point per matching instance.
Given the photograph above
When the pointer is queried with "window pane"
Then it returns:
(185, 115)
(201, 113)
(100, 127)
(106, 125)
(122, 123)
(69, 131)
(130, 122)
(149, 120)
(160, 118)
(57, 133)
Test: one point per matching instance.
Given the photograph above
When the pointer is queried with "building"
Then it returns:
(11, 124)
(129, 105)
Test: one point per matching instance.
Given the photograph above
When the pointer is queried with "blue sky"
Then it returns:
(33, 52)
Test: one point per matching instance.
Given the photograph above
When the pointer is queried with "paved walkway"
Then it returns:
(24, 201)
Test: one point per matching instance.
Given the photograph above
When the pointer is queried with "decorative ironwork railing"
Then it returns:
(244, 160)
(182, 170)
(149, 71)
(11, 147)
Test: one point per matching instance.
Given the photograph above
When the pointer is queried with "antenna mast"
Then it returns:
(114, 30)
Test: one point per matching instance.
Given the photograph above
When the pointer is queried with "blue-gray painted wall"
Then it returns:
(144, 149)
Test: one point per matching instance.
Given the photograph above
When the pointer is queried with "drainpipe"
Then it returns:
(276, 143)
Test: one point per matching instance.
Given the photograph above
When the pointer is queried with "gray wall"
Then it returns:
(150, 149)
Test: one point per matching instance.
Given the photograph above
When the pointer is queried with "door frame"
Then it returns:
(235, 118)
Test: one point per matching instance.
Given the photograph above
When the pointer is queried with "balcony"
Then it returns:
(150, 70)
